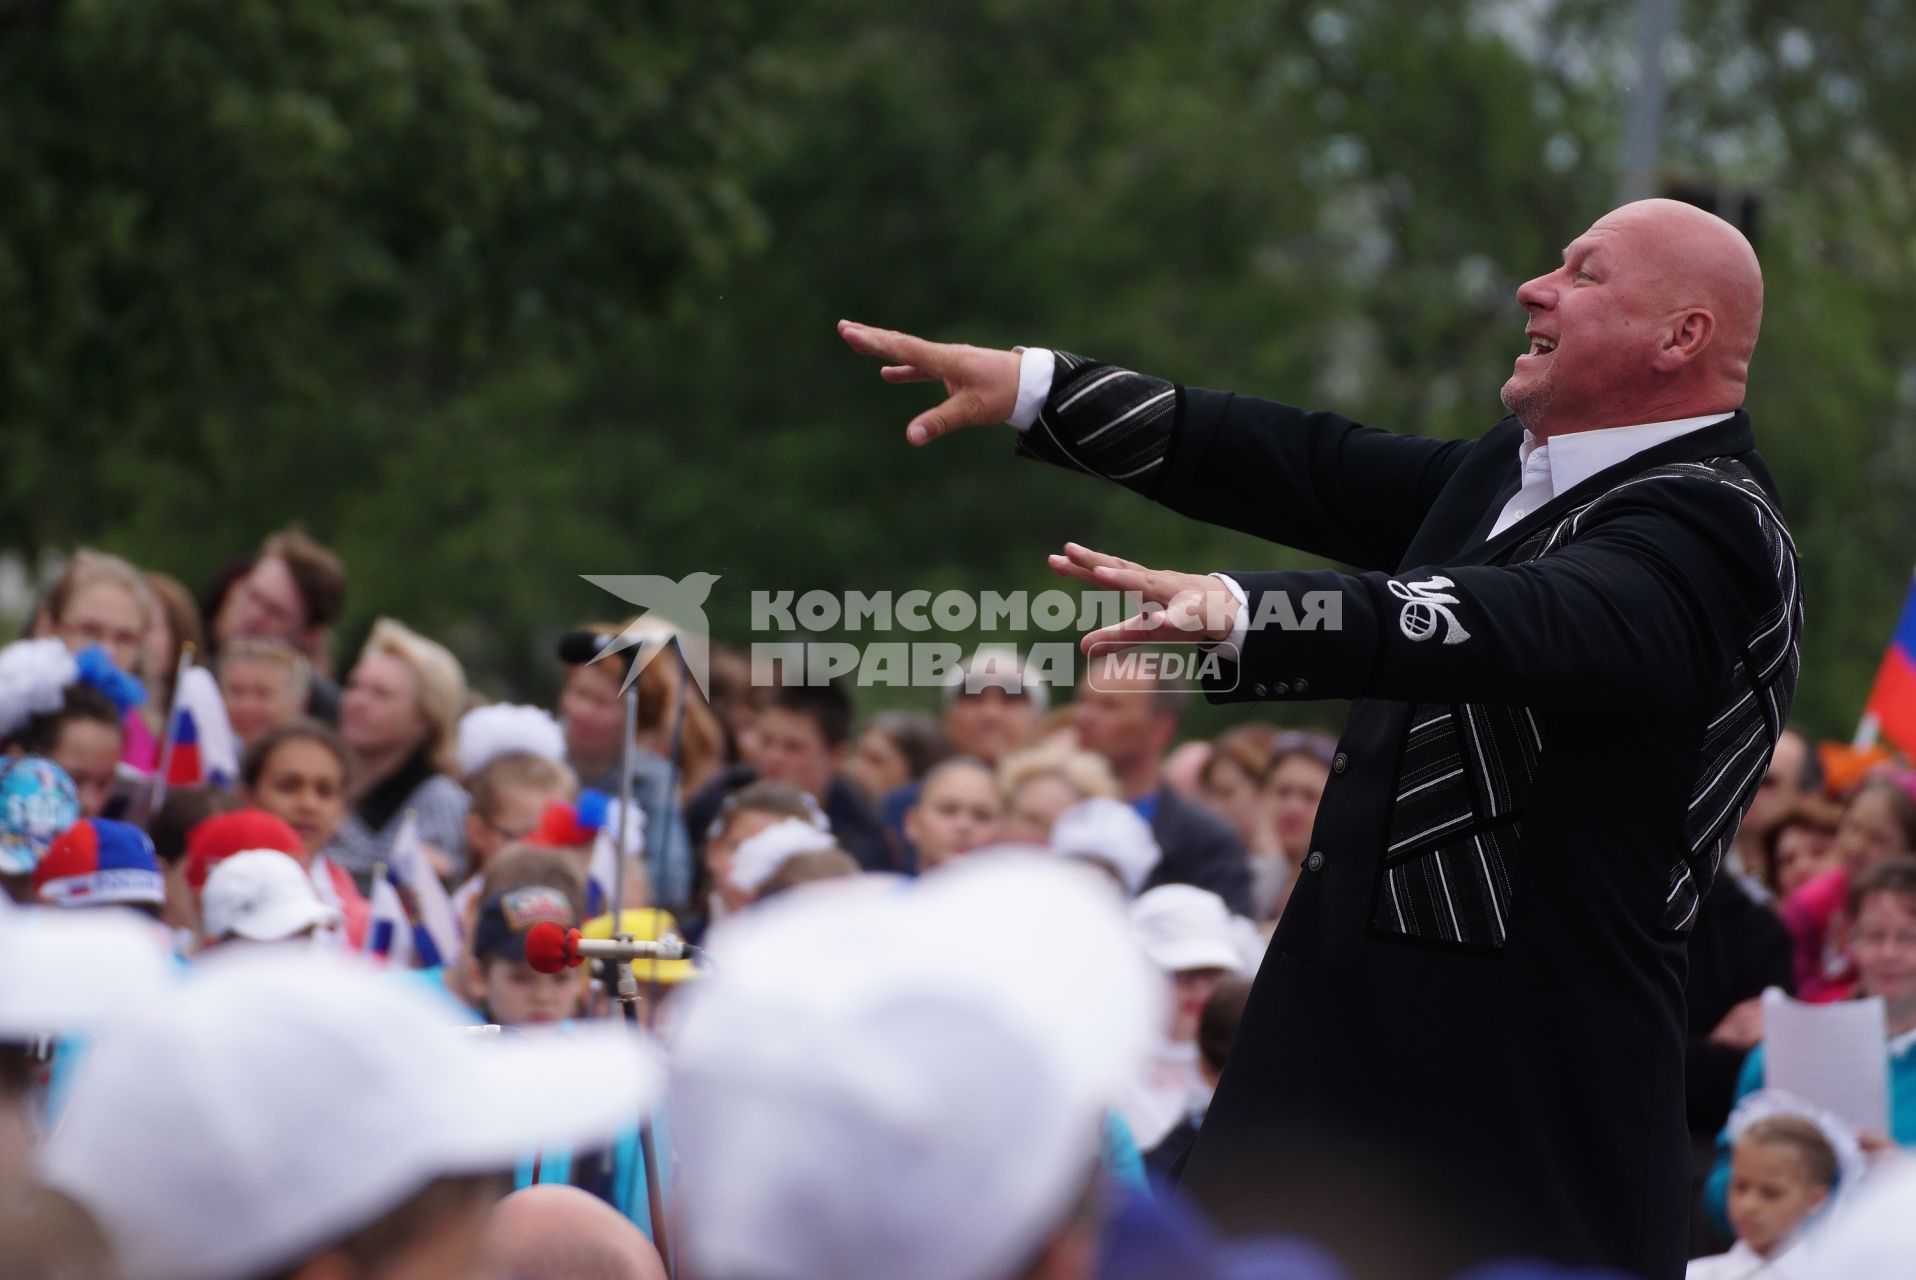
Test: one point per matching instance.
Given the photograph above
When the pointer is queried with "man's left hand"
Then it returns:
(1177, 606)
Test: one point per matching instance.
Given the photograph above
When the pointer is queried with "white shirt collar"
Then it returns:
(1576, 456)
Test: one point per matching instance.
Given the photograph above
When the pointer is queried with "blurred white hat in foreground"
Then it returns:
(905, 1080)
(71, 971)
(277, 1102)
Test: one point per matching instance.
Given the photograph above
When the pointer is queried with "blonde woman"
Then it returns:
(400, 716)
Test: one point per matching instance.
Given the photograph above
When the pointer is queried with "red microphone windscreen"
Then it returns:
(547, 946)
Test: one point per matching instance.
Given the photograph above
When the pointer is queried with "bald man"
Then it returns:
(1571, 644)
(555, 1232)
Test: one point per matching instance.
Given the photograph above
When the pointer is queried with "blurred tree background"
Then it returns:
(489, 295)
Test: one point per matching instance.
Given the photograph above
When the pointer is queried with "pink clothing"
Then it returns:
(1814, 915)
(142, 748)
(336, 889)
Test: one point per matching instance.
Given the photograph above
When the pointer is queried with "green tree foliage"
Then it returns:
(492, 295)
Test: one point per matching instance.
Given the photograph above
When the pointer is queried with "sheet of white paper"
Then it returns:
(1833, 1055)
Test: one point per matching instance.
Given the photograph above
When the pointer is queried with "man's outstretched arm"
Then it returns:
(1315, 481)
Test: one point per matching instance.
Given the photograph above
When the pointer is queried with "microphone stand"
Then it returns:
(624, 987)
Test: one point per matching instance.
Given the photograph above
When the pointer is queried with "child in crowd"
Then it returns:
(98, 862)
(762, 857)
(37, 803)
(299, 772)
(959, 808)
(1882, 902)
(511, 793)
(262, 896)
(1110, 836)
(226, 834)
(1878, 823)
(1217, 1027)
(1192, 938)
(70, 708)
(264, 684)
(1040, 783)
(745, 813)
(1783, 1170)
(507, 990)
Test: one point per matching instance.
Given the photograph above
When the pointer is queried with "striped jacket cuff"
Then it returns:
(1104, 421)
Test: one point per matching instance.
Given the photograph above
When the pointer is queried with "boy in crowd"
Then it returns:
(98, 862)
(509, 991)
(510, 794)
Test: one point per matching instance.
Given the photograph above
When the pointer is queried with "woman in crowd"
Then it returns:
(1039, 783)
(399, 716)
(897, 748)
(1231, 785)
(1801, 846)
(592, 712)
(1300, 766)
(1882, 903)
(176, 624)
(301, 773)
(102, 600)
(1878, 823)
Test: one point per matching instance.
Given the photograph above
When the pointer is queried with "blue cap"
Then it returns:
(37, 803)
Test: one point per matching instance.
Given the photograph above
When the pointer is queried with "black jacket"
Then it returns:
(1738, 948)
(1467, 1037)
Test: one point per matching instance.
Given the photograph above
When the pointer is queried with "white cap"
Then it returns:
(491, 731)
(905, 1079)
(279, 1101)
(72, 971)
(1110, 832)
(757, 859)
(1182, 927)
(261, 895)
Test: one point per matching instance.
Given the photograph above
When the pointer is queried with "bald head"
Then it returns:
(1653, 315)
(562, 1233)
(1703, 262)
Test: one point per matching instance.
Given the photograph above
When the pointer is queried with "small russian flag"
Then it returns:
(1892, 699)
(201, 747)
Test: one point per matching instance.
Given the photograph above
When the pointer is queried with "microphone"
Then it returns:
(550, 948)
(576, 648)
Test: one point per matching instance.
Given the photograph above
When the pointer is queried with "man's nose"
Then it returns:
(1536, 294)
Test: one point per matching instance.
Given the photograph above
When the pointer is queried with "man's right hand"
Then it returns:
(981, 385)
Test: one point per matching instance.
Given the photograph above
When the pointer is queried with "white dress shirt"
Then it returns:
(1550, 467)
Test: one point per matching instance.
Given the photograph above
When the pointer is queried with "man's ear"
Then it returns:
(1686, 340)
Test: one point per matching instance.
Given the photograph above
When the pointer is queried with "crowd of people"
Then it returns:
(959, 984)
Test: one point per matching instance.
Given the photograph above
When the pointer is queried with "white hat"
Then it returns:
(279, 1101)
(905, 1079)
(491, 731)
(1110, 832)
(757, 859)
(262, 895)
(995, 666)
(72, 971)
(1871, 1233)
(1182, 927)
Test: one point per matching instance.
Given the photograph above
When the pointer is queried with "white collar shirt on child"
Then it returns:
(1744, 1263)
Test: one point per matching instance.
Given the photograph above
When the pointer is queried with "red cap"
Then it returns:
(225, 834)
